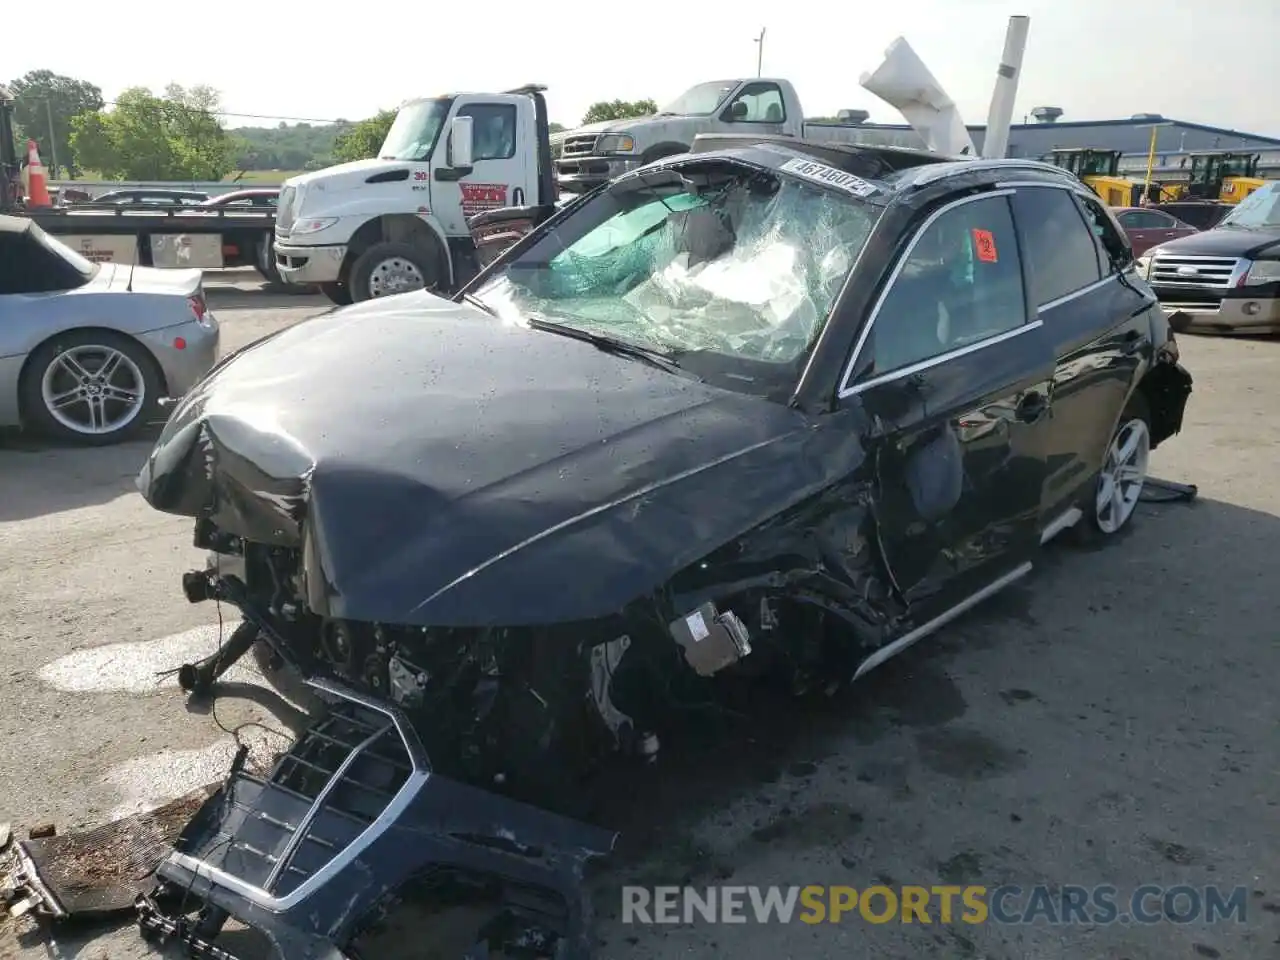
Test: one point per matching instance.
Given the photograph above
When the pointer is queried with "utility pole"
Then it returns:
(759, 41)
(53, 143)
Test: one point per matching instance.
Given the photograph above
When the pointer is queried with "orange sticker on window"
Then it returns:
(984, 245)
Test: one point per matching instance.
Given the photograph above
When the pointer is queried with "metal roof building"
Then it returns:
(1132, 137)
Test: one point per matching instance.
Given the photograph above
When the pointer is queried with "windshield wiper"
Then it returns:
(475, 301)
(655, 358)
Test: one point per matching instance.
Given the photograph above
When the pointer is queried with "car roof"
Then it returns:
(15, 224)
(894, 169)
(251, 192)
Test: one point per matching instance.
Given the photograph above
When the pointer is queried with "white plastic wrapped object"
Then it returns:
(905, 83)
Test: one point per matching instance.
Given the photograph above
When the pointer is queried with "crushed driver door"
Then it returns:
(955, 376)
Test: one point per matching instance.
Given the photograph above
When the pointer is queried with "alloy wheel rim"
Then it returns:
(1123, 474)
(395, 275)
(93, 389)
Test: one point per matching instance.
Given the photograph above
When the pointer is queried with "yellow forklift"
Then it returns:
(1100, 171)
(1225, 177)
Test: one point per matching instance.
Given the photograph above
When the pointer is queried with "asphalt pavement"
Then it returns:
(1110, 721)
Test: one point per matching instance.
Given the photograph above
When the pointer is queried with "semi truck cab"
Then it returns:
(398, 222)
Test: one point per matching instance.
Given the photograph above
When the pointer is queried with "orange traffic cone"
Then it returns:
(38, 180)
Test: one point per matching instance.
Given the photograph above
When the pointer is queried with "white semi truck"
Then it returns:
(398, 222)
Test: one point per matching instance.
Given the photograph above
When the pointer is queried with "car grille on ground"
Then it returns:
(580, 146)
(333, 783)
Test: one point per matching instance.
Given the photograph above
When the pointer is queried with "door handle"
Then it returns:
(1031, 407)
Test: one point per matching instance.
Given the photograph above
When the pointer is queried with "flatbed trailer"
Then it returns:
(163, 236)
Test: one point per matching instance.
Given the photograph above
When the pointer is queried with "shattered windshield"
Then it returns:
(1259, 209)
(729, 274)
(414, 132)
(701, 100)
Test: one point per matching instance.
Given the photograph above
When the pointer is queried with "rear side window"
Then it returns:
(960, 284)
(1145, 220)
(1059, 248)
(1113, 244)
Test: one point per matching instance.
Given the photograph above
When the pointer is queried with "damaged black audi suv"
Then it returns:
(768, 407)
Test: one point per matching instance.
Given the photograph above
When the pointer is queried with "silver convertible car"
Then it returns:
(88, 350)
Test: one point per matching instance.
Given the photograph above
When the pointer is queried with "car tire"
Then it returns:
(392, 268)
(1118, 488)
(53, 370)
(338, 293)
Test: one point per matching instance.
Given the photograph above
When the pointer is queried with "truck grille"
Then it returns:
(579, 146)
(321, 795)
(1194, 273)
(284, 210)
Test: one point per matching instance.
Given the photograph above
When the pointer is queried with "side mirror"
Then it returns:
(738, 111)
(460, 142)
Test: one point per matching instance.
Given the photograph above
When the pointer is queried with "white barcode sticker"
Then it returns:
(821, 173)
(697, 626)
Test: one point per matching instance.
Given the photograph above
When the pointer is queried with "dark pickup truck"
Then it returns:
(1224, 280)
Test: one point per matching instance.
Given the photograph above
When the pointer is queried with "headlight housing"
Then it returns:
(1262, 271)
(615, 143)
(312, 225)
(1143, 263)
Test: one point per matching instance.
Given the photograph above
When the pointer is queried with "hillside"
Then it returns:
(299, 146)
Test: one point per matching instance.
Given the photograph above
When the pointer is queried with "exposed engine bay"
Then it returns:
(530, 712)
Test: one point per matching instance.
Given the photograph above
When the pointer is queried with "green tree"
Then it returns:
(618, 110)
(200, 146)
(145, 137)
(364, 139)
(556, 127)
(41, 96)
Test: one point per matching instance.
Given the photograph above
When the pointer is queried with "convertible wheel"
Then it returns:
(91, 387)
(1124, 471)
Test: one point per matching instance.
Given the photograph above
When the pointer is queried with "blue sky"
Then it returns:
(282, 59)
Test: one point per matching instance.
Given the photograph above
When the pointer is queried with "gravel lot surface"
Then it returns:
(1113, 720)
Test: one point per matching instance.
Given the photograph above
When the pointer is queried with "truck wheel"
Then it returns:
(339, 293)
(389, 268)
(266, 263)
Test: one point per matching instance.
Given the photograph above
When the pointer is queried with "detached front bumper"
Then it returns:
(309, 265)
(308, 854)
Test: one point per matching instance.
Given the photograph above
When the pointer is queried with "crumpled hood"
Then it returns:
(438, 466)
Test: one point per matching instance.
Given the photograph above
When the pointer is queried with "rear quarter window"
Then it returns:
(1059, 249)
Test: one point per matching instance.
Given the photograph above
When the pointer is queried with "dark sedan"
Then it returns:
(771, 408)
